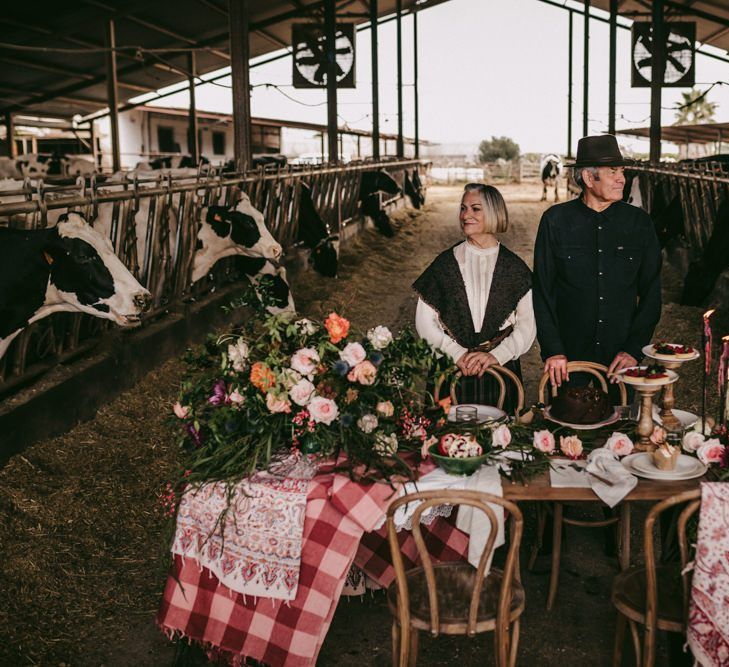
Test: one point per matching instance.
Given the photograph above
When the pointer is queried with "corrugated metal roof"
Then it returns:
(703, 133)
(73, 80)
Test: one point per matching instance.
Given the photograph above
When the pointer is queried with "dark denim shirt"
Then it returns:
(597, 281)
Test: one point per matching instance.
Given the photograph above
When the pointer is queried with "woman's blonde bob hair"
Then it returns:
(494, 207)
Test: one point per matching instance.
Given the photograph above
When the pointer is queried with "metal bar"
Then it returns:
(612, 75)
(112, 94)
(569, 89)
(658, 67)
(239, 56)
(330, 32)
(11, 149)
(415, 85)
(586, 71)
(400, 148)
(375, 83)
(192, 140)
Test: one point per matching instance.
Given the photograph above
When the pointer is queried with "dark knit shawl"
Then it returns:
(441, 286)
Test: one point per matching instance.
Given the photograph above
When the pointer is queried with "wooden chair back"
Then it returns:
(497, 372)
(692, 501)
(480, 502)
(596, 370)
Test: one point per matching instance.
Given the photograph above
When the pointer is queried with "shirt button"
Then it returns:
(602, 298)
(599, 273)
(598, 342)
(600, 321)
(600, 250)
(599, 226)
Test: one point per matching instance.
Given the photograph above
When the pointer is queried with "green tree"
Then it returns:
(695, 108)
(498, 147)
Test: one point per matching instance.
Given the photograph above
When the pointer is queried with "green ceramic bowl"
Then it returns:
(455, 466)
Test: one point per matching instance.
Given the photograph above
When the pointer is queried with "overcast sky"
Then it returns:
(486, 67)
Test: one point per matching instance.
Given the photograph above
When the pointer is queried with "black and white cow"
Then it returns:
(550, 169)
(265, 276)
(314, 234)
(372, 183)
(68, 267)
(171, 162)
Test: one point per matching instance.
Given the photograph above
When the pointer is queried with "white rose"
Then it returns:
(380, 337)
(385, 444)
(302, 392)
(692, 441)
(288, 377)
(238, 355)
(305, 326)
(619, 444)
(323, 410)
(367, 423)
(353, 354)
(305, 360)
(501, 436)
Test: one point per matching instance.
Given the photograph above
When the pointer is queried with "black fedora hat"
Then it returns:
(599, 151)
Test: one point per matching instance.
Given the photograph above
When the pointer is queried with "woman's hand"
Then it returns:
(476, 363)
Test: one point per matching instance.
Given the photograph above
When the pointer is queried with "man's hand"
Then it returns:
(556, 366)
(622, 360)
(476, 363)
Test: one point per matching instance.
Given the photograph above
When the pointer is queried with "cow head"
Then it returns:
(86, 275)
(226, 232)
(325, 256)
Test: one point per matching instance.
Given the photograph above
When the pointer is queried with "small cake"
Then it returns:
(459, 446)
(671, 352)
(665, 456)
(581, 405)
(653, 374)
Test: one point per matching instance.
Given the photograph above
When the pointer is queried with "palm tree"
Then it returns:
(695, 108)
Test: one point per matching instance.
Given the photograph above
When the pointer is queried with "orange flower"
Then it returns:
(445, 403)
(337, 327)
(262, 376)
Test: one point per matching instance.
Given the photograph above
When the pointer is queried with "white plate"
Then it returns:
(638, 382)
(641, 464)
(648, 352)
(485, 413)
(687, 419)
(582, 427)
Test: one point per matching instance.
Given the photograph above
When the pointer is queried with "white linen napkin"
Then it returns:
(474, 522)
(562, 475)
(606, 464)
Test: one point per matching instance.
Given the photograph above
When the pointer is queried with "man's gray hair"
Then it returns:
(577, 175)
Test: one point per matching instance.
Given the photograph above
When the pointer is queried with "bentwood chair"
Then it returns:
(454, 598)
(622, 521)
(501, 374)
(655, 596)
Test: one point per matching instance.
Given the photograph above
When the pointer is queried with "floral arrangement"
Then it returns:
(319, 387)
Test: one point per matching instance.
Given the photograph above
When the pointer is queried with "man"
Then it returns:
(597, 268)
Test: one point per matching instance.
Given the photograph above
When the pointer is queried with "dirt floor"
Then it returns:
(83, 547)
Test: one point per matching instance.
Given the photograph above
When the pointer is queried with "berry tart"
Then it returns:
(653, 374)
(671, 352)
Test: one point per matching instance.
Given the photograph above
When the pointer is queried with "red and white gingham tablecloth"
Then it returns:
(340, 517)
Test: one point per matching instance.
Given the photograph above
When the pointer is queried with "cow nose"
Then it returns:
(143, 300)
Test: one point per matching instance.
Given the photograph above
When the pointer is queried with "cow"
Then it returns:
(550, 168)
(313, 233)
(68, 267)
(269, 282)
(172, 162)
(418, 185)
(632, 193)
(372, 183)
(410, 191)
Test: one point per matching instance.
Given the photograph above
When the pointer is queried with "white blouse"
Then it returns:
(477, 268)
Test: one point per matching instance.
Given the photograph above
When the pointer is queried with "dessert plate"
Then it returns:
(641, 464)
(640, 382)
(584, 427)
(687, 419)
(648, 351)
(485, 413)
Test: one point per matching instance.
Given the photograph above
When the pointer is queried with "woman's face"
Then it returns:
(472, 216)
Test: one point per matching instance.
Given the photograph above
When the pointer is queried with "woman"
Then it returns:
(475, 300)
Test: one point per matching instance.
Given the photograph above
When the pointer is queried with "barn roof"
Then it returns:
(702, 133)
(52, 54)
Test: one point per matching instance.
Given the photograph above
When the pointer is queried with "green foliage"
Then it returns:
(695, 108)
(498, 147)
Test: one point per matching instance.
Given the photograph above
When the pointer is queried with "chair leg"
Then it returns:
(514, 643)
(537, 544)
(624, 537)
(501, 645)
(636, 641)
(395, 644)
(556, 553)
(619, 640)
(414, 636)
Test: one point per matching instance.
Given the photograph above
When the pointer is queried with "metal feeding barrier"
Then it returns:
(168, 209)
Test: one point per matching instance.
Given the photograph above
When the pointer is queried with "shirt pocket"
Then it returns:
(572, 262)
(627, 263)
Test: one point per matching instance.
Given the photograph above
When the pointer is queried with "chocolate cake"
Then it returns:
(581, 405)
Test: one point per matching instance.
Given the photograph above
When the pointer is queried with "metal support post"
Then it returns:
(330, 32)
(658, 67)
(240, 76)
(399, 150)
(112, 95)
(586, 70)
(192, 138)
(612, 76)
(375, 83)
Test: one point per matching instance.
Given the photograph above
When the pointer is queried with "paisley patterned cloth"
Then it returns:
(249, 535)
(708, 621)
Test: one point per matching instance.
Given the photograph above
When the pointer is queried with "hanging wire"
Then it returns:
(104, 49)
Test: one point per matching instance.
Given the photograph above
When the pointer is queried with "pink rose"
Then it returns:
(544, 441)
(658, 437)
(277, 404)
(692, 441)
(236, 397)
(364, 373)
(385, 408)
(619, 444)
(302, 392)
(710, 452)
(181, 412)
(305, 360)
(323, 410)
(501, 436)
(570, 446)
(353, 354)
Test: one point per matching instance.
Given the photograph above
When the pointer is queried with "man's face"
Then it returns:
(608, 184)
